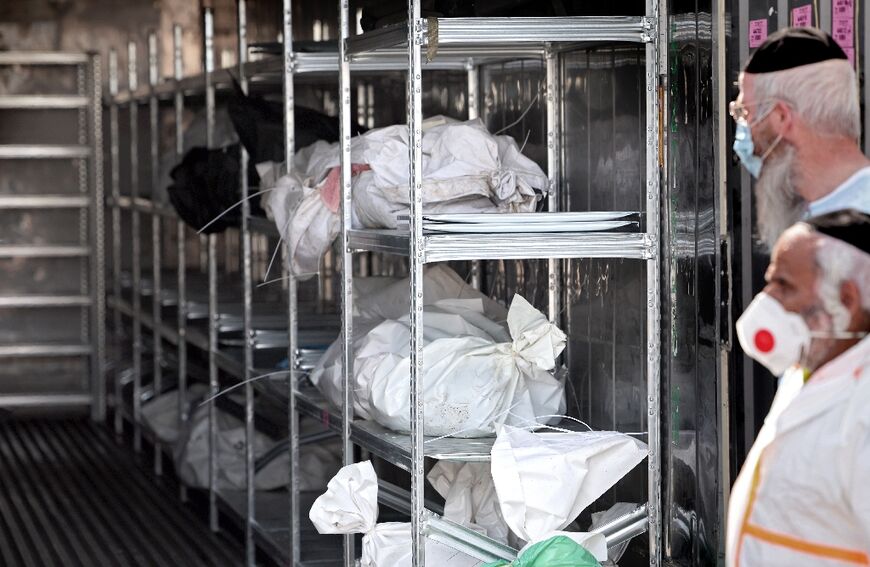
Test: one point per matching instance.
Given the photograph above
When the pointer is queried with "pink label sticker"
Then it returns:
(844, 32)
(802, 16)
(757, 32)
(850, 53)
(843, 9)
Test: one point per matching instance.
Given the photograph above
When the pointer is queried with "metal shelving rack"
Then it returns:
(241, 508)
(488, 36)
(87, 244)
(457, 44)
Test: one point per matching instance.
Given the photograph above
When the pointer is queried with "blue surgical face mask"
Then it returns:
(745, 148)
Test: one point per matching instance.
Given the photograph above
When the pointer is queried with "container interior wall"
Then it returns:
(692, 463)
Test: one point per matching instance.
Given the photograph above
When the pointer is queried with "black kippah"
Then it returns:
(792, 47)
(848, 225)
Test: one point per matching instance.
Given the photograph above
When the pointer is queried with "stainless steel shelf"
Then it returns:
(491, 33)
(35, 350)
(42, 102)
(42, 58)
(389, 445)
(44, 251)
(25, 151)
(44, 201)
(271, 531)
(320, 63)
(496, 246)
(396, 447)
(44, 401)
(45, 301)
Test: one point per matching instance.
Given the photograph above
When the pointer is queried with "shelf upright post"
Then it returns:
(156, 240)
(292, 303)
(346, 255)
(553, 172)
(415, 177)
(98, 266)
(181, 233)
(116, 231)
(133, 85)
(653, 220)
(473, 76)
(247, 292)
(211, 239)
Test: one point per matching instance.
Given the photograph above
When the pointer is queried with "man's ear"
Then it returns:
(850, 297)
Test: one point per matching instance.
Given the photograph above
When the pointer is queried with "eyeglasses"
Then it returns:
(740, 111)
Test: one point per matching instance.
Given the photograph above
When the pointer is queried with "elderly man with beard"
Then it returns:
(803, 496)
(798, 130)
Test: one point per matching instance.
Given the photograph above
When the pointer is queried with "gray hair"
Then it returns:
(838, 263)
(825, 95)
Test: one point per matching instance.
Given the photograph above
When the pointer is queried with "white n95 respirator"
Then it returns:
(771, 335)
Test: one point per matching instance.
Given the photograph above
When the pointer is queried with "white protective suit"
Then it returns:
(803, 496)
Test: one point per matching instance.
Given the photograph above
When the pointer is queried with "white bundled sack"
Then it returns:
(545, 480)
(381, 299)
(469, 497)
(161, 413)
(316, 463)
(350, 505)
(465, 169)
(472, 383)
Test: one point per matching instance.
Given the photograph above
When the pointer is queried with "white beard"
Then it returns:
(779, 206)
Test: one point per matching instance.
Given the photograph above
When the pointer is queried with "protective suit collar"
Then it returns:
(825, 388)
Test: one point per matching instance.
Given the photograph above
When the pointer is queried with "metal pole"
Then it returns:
(346, 256)
(292, 307)
(653, 363)
(133, 85)
(182, 247)
(473, 76)
(553, 171)
(116, 231)
(156, 252)
(415, 178)
(247, 291)
(98, 268)
(208, 27)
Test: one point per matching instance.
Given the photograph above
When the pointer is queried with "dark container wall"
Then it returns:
(690, 302)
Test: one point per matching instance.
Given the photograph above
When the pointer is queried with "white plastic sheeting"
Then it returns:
(545, 480)
(465, 169)
(469, 497)
(476, 375)
(350, 505)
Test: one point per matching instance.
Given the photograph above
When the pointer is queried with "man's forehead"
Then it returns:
(795, 252)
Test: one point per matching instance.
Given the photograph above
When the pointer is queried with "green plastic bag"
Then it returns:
(558, 551)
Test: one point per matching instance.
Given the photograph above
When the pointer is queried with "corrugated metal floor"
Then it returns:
(70, 496)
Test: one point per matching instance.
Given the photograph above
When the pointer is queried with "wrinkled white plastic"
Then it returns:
(316, 463)
(472, 382)
(475, 377)
(350, 505)
(470, 497)
(380, 299)
(465, 169)
(545, 480)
